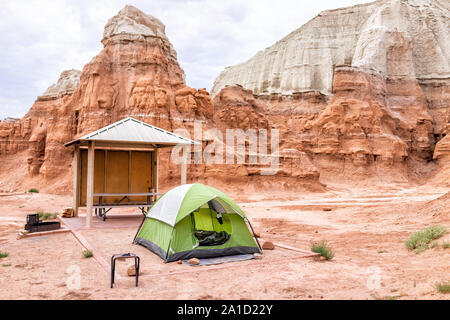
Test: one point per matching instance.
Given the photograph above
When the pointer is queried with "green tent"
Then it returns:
(196, 221)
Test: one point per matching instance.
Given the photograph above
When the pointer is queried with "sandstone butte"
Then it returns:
(359, 95)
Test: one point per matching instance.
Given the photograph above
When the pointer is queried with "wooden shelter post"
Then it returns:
(155, 165)
(90, 183)
(76, 180)
(183, 165)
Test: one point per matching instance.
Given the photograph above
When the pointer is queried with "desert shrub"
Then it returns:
(43, 215)
(443, 287)
(87, 253)
(324, 249)
(3, 254)
(435, 232)
(46, 215)
(446, 245)
(420, 240)
(33, 190)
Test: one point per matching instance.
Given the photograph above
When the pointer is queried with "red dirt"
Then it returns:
(366, 232)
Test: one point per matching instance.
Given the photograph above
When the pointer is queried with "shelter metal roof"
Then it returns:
(130, 130)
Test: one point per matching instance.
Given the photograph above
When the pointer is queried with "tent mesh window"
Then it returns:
(210, 227)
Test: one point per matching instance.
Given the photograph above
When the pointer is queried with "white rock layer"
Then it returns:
(393, 37)
(67, 83)
(131, 24)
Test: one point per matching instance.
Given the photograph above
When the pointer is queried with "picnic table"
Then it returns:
(102, 208)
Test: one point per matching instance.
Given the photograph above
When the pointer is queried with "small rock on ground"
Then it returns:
(132, 271)
(194, 261)
(268, 245)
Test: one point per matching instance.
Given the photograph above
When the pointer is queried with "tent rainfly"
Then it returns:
(196, 221)
(120, 160)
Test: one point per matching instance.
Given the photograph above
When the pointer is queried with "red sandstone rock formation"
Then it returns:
(136, 74)
(442, 157)
(358, 134)
(375, 118)
(364, 90)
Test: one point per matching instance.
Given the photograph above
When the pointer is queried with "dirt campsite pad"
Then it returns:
(366, 233)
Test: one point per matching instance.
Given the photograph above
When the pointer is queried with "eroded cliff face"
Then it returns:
(29, 135)
(136, 74)
(393, 37)
(442, 157)
(358, 95)
(352, 136)
(364, 91)
(237, 109)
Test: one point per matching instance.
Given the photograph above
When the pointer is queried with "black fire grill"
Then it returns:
(36, 225)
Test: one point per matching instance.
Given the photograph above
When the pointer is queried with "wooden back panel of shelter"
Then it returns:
(118, 172)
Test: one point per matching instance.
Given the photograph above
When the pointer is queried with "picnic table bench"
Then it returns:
(102, 208)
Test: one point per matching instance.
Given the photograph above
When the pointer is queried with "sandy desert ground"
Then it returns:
(366, 229)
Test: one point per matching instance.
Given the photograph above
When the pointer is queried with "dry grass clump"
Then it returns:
(324, 249)
(87, 253)
(420, 240)
(443, 287)
(47, 215)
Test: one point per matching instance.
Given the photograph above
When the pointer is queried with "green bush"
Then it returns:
(446, 245)
(443, 287)
(420, 240)
(47, 215)
(33, 190)
(3, 254)
(87, 253)
(324, 250)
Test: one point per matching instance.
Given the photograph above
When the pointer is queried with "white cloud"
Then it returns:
(41, 38)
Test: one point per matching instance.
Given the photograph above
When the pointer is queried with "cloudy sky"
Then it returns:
(41, 38)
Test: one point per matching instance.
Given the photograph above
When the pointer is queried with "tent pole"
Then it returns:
(251, 227)
(170, 243)
(254, 235)
(139, 229)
